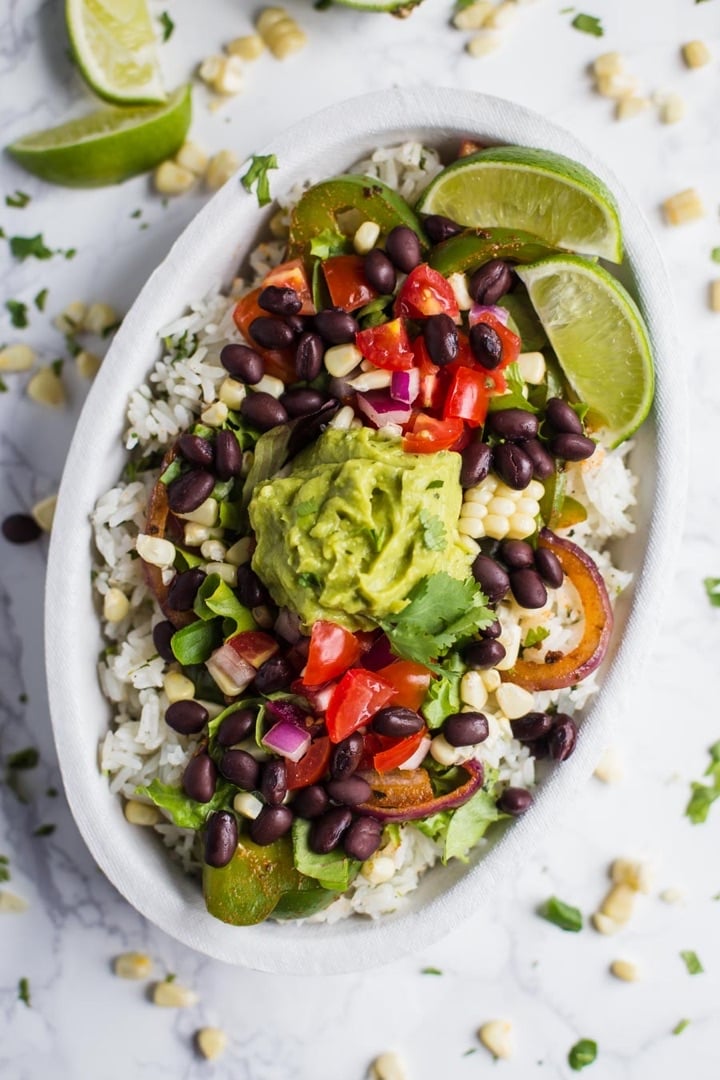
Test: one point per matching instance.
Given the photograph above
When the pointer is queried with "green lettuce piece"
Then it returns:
(185, 812)
(215, 597)
(443, 696)
(195, 642)
(460, 830)
(334, 871)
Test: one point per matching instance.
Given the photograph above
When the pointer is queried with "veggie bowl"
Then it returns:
(357, 577)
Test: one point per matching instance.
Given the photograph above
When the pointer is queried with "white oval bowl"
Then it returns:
(208, 252)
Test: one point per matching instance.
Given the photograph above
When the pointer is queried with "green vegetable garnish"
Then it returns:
(187, 813)
(692, 962)
(704, 795)
(19, 200)
(589, 24)
(561, 914)
(24, 991)
(167, 26)
(18, 313)
(680, 1027)
(25, 247)
(257, 174)
(712, 588)
(583, 1053)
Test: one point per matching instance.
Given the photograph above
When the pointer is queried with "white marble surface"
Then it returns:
(506, 962)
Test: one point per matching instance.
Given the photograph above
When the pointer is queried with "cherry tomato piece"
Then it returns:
(356, 698)
(401, 750)
(426, 292)
(467, 396)
(411, 681)
(333, 649)
(292, 275)
(427, 435)
(346, 281)
(387, 346)
(278, 362)
(311, 767)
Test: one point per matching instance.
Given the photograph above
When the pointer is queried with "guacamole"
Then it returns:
(355, 525)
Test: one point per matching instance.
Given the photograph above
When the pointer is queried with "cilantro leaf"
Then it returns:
(692, 962)
(19, 200)
(680, 1027)
(18, 313)
(24, 759)
(257, 174)
(534, 636)
(434, 535)
(40, 299)
(24, 247)
(4, 868)
(3, 387)
(326, 243)
(561, 914)
(24, 991)
(704, 795)
(431, 971)
(308, 581)
(45, 830)
(715, 254)
(589, 24)
(582, 1053)
(712, 588)
(167, 26)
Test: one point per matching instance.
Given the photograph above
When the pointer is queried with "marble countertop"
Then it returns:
(505, 963)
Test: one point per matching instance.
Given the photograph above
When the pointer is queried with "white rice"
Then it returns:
(139, 747)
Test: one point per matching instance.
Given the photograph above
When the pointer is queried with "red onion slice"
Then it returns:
(381, 409)
(286, 739)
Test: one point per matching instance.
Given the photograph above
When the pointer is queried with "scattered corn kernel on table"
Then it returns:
(507, 983)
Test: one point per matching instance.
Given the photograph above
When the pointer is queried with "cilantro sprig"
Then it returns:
(704, 795)
(257, 174)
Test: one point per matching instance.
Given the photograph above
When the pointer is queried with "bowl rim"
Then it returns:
(383, 117)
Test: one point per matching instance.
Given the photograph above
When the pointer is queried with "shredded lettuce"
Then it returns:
(215, 597)
(185, 812)
(334, 871)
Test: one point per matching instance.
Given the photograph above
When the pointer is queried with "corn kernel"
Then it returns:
(192, 158)
(270, 384)
(16, 358)
(232, 393)
(502, 16)
(247, 47)
(133, 965)
(444, 753)
(211, 1042)
(387, 1067)
(604, 924)
(521, 525)
(610, 63)
(195, 534)
(366, 237)
(514, 700)
(696, 54)
(617, 87)
(99, 318)
(510, 639)
(230, 78)
(210, 68)
(637, 875)
(155, 550)
(625, 970)
(473, 691)
(226, 571)
(532, 366)
(46, 388)
(619, 903)
(115, 605)
(172, 179)
(343, 418)
(472, 17)
(222, 167)
(630, 106)
(501, 506)
(247, 805)
(178, 687)
(459, 284)
(609, 769)
(378, 869)
(496, 526)
(173, 996)
(340, 360)
(473, 527)
(240, 552)
(72, 318)
(11, 902)
(492, 679)
(683, 207)
(496, 1036)
(534, 490)
(139, 813)
(213, 550)
(215, 415)
(87, 364)
(44, 511)
(268, 18)
(371, 380)
(482, 44)
(715, 295)
(672, 109)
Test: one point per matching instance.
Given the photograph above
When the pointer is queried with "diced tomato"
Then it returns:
(278, 362)
(346, 281)
(430, 395)
(387, 346)
(311, 767)
(401, 750)
(292, 275)
(411, 681)
(332, 651)
(357, 697)
(426, 292)
(427, 435)
(510, 341)
(467, 396)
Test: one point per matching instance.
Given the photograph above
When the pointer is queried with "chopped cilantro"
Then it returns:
(23, 699)
(704, 795)
(45, 830)
(25, 247)
(692, 962)
(435, 484)
(136, 213)
(305, 509)
(24, 759)
(680, 1027)
(434, 536)
(712, 588)
(40, 299)
(57, 366)
(4, 868)
(561, 914)
(328, 242)
(582, 1053)
(70, 253)
(589, 24)
(257, 174)
(18, 313)
(24, 991)
(167, 26)
(3, 387)
(19, 200)
(72, 346)
(715, 254)
(431, 971)
(534, 636)
(108, 330)
(472, 1050)
(52, 793)
(307, 581)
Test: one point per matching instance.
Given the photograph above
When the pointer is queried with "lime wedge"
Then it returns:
(599, 338)
(107, 146)
(114, 45)
(542, 193)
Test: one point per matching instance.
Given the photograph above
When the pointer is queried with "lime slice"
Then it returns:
(114, 45)
(107, 146)
(599, 338)
(397, 7)
(545, 194)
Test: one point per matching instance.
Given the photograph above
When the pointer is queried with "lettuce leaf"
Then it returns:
(334, 871)
(186, 813)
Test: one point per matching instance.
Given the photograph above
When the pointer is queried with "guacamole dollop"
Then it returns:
(355, 525)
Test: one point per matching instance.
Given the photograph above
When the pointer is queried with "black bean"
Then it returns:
(528, 588)
(183, 589)
(190, 491)
(309, 356)
(397, 722)
(187, 717)
(350, 791)
(542, 462)
(346, 756)
(476, 462)
(563, 737)
(263, 411)
(532, 726)
(441, 339)
(228, 455)
(488, 284)
(271, 823)
(539, 749)
(571, 447)
(270, 333)
(486, 346)
(562, 417)
(243, 363)
(493, 631)
(240, 768)
(512, 465)
(221, 838)
(273, 781)
(513, 424)
(302, 401)
(336, 326)
(162, 635)
(403, 247)
(250, 589)
(279, 300)
(549, 568)
(20, 529)
(516, 554)
(439, 228)
(236, 727)
(326, 831)
(362, 839)
(380, 272)
(200, 778)
(484, 654)
(196, 450)
(515, 801)
(466, 729)
(275, 674)
(491, 578)
(310, 802)
(297, 324)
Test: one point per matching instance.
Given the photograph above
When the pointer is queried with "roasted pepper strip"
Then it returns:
(379, 809)
(588, 654)
(475, 247)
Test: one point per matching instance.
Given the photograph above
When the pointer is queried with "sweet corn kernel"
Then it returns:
(211, 1042)
(366, 237)
(630, 106)
(459, 284)
(510, 638)
(172, 179)
(496, 526)
(285, 38)
(226, 571)
(195, 534)
(388, 1067)
(222, 167)
(44, 511)
(609, 768)
(16, 358)
(139, 813)
(467, 543)
(155, 550)
(133, 965)
(502, 16)
(340, 360)
(473, 691)
(625, 970)
(696, 54)
(270, 384)
(472, 527)
(472, 17)
(46, 388)
(534, 490)
(371, 380)
(609, 63)
(115, 605)
(514, 700)
(444, 753)
(496, 1036)
(521, 525)
(232, 393)
(268, 18)
(672, 109)
(247, 805)
(11, 902)
(71, 319)
(99, 318)
(492, 679)
(240, 552)
(619, 903)
(210, 68)
(683, 207)
(617, 86)
(532, 367)
(213, 550)
(637, 875)
(178, 687)
(191, 157)
(379, 869)
(501, 506)
(343, 418)
(604, 924)
(215, 415)
(247, 47)
(230, 78)
(715, 295)
(87, 364)
(172, 995)
(482, 44)
(205, 514)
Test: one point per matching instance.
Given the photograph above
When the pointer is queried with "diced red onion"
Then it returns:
(405, 386)
(317, 697)
(416, 759)
(288, 740)
(478, 310)
(230, 671)
(381, 409)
